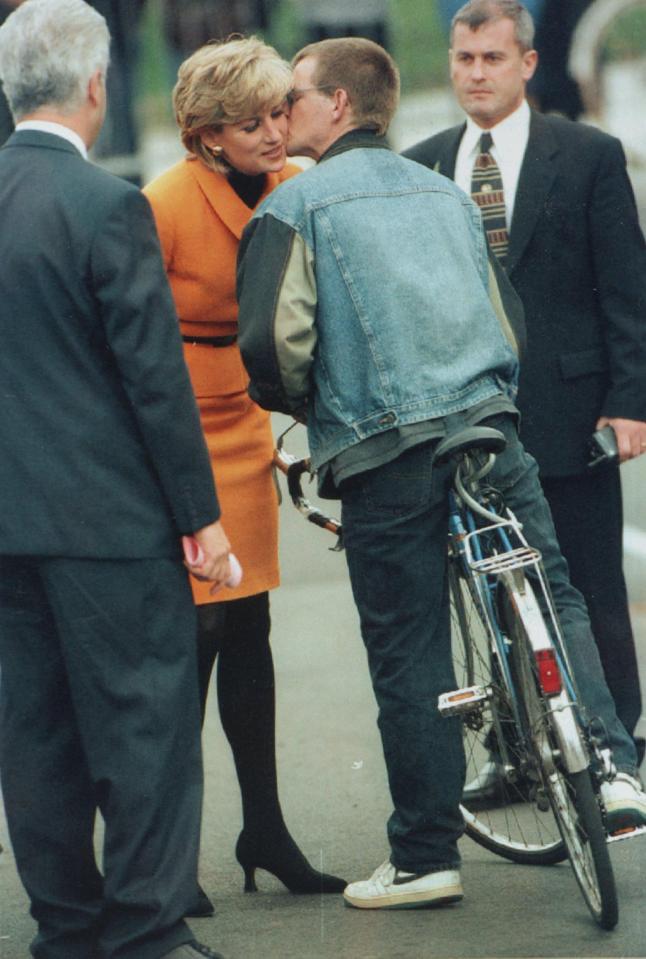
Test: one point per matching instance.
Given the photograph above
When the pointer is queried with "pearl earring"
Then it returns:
(217, 151)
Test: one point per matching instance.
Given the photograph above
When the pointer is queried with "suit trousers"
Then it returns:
(588, 517)
(99, 712)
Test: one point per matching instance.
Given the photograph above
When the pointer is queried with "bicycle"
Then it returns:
(516, 695)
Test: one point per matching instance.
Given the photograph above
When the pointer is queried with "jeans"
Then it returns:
(395, 521)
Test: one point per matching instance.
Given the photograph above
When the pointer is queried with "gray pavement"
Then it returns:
(333, 782)
(336, 803)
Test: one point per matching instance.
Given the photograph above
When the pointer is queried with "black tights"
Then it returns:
(237, 633)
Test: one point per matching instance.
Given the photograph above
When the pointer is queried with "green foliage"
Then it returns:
(419, 43)
(154, 71)
(419, 46)
(626, 39)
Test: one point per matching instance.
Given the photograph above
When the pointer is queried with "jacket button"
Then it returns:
(387, 420)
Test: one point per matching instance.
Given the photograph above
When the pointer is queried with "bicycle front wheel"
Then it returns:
(510, 819)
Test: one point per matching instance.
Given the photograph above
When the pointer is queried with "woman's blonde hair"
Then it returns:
(226, 82)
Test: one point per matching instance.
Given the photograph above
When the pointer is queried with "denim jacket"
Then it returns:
(367, 297)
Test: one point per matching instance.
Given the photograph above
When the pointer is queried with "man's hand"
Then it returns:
(214, 564)
(631, 436)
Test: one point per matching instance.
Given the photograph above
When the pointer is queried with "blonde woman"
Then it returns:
(231, 108)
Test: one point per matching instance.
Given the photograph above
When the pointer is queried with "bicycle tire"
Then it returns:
(571, 795)
(509, 825)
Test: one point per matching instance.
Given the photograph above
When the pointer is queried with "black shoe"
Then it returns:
(192, 950)
(278, 854)
(201, 907)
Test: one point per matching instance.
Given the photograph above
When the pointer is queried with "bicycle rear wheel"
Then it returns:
(509, 823)
(571, 795)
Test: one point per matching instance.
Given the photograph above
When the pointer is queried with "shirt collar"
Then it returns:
(505, 134)
(57, 129)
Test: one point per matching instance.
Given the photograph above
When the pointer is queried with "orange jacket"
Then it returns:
(200, 219)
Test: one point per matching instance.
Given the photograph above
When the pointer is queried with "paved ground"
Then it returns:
(336, 803)
(333, 782)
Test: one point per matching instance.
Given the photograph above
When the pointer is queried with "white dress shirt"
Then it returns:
(510, 138)
(46, 126)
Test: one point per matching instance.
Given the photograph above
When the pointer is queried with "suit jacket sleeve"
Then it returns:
(619, 255)
(142, 333)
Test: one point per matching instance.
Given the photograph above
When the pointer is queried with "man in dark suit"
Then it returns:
(102, 468)
(565, 226)
(6, 122)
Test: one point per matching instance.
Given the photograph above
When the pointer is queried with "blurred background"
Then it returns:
(592, 66)
(592, 63)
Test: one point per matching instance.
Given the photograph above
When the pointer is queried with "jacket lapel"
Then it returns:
(448, 152)
(234, 212)
(537, 175)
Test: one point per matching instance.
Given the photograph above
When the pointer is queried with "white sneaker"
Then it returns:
(625, 802)
(486, 784)
(390, 888)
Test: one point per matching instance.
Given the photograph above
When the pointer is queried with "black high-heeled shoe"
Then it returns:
(278, 854)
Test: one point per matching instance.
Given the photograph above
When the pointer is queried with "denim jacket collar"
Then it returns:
(359, 138)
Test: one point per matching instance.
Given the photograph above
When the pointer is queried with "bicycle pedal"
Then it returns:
(464, 700)
(628, 832)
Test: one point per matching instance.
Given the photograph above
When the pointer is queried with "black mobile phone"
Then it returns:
(603, 448)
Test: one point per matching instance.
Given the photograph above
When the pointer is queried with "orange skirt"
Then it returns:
(239, 438)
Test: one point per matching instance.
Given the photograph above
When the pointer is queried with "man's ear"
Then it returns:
(95, 87)
(530, 62)
(342, 105)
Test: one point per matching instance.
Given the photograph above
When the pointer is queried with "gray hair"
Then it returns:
(49, 49)
(478, 12)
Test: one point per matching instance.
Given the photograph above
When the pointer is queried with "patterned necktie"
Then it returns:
(487, 191)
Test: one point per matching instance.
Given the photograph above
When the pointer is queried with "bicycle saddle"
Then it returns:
(482, 438)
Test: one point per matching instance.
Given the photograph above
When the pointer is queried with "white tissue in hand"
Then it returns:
(194, 556)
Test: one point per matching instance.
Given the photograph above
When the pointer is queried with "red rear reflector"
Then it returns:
(548, 672)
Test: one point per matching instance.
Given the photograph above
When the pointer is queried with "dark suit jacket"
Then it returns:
(578, 260)
(101, 449)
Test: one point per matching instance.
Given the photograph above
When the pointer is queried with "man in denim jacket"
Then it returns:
(370, 308)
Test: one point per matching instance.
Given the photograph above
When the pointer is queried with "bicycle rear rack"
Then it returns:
(517, 558)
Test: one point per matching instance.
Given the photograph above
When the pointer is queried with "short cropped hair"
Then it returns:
(478, 12)
(49, 49)
(362, 68)
(226, 82)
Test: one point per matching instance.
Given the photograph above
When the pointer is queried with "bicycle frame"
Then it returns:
(508, 566)
(524, 717)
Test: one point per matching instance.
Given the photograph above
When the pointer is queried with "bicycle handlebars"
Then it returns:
(293, 469)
